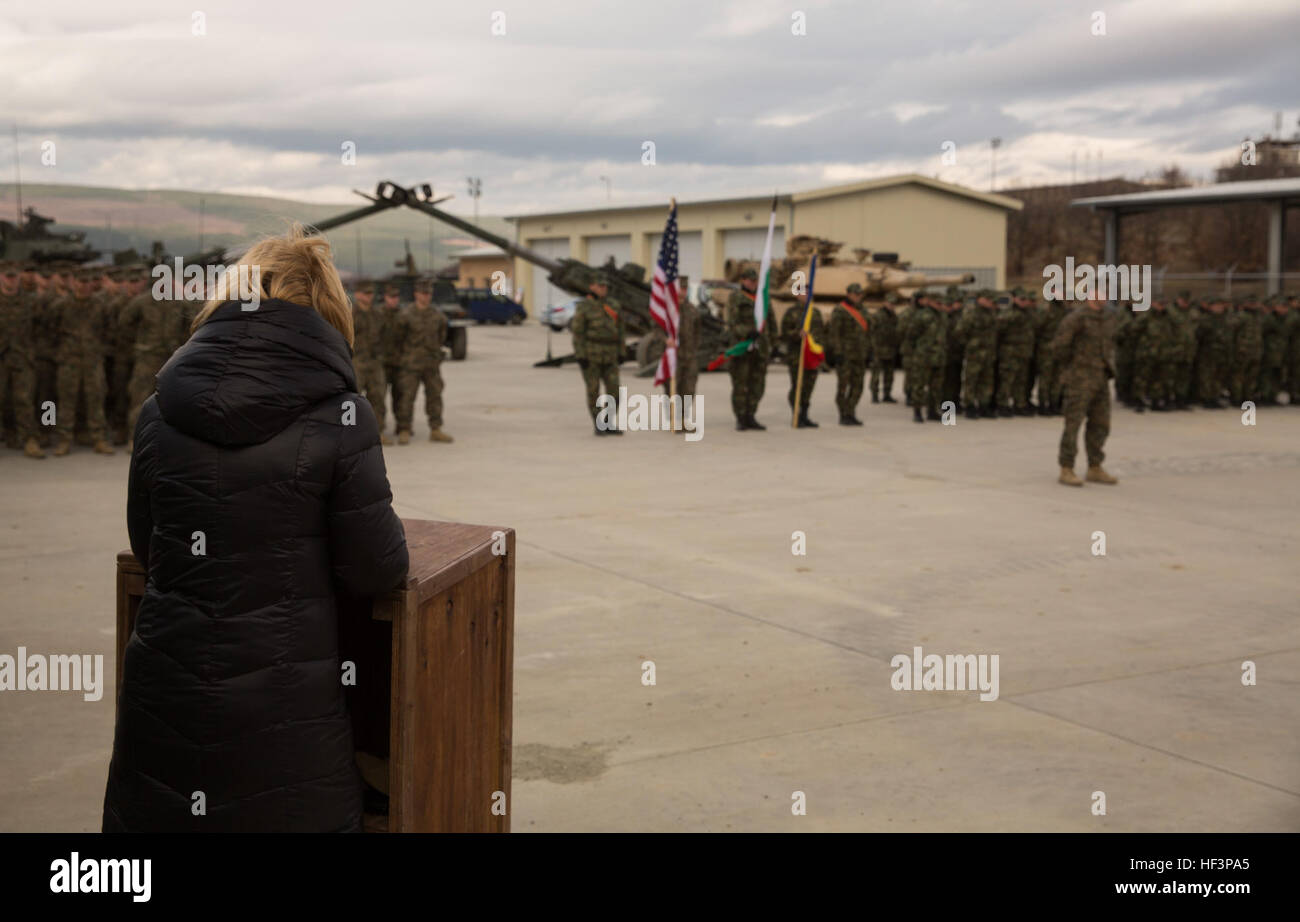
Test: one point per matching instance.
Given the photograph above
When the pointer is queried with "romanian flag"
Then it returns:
(813, 354)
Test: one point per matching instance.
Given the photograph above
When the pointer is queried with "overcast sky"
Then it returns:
(733, 100)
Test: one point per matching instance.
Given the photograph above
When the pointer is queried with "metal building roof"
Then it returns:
(1251, 190)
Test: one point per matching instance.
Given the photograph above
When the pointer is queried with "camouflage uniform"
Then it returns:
(1085, 354)
(1186, 323)
(749, 370)
(1125, 344)
(791, 327)
(46, 328)
(124, 333)
(1211, 357)
(688, 347)
(905, 352)
(1153, 358)
(159, 329)
(1015, 349)
(978, 329)
(1292, 327)
(1049, 371)
(1272, 353)
(18, 363)
(1246, 338)
(598, 343)
(884, 346)
(951, 391)
(423, 331)
(925, 342)
(368, 356)
(80, 361)
(850, 344)
(391, 341)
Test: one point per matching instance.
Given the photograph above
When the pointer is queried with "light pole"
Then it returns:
(475, 192)
(609, 189)
(994, 144)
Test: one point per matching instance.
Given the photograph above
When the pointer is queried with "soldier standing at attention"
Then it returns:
(688, 340)
(925, 342)
(951, 305)
(392, 351)
(597, 328)
(424, 328)
(1185, 321)
(368, 349)
(159, 324)
(18, 360)
(1153, 358)
(1211, 353)
(884, 345)
(1292, 328)
(792, 339)
(978, 330)
(849, 339)
(1085, 354)
(81, 366)
(1273, 350)
(1015, 348)
(1049, 372)
(749, 370)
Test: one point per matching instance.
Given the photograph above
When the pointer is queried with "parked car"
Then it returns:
(485, 307)
(559, 316)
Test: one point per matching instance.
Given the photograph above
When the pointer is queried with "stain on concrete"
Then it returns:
(559, 764)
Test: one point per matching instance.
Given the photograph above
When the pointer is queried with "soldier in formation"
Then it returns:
(925, 347)
(368, 349)
(884, 349)
(849, 342)
(748, 370)
(792, 337)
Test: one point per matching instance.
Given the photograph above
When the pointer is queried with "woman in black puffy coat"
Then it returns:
(257, 492)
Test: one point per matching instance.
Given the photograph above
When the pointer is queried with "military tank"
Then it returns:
(31, 239)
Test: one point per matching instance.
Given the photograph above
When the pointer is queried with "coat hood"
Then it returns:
(244, 376)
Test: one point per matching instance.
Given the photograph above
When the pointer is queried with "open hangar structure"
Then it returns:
(1277, 194)
(934, 225)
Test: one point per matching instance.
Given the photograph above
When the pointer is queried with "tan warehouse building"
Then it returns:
(937, 226)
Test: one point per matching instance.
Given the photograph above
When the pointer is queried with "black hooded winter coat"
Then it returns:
(257, 492)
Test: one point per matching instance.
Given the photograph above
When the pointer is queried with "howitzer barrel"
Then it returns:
(514, 249)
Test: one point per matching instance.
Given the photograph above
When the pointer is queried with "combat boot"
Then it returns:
(383, 440)
(403, 438)
(1006, 412)
(437, 435)
(742, 424)
(1097, 474)
(1139, 407)
(988, 412)
(916, 415)
(844, 420)
(972, 412)
(1069, 477)
(854, 421)
(888, 398)
(62, 447)
(1044, 410)
(32, 449)
(805, 422)
(875, 398)
(102, 447)
(753, 423)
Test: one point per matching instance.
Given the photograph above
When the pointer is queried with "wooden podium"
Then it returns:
(434, 659)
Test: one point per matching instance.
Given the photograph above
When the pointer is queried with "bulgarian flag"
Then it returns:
(762, 297)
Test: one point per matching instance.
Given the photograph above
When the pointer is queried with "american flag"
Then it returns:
(663, 297)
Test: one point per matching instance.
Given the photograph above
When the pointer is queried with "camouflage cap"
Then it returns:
(749, 273)
(364, 284)
(424, 284)
(392, 288)
(854, 289)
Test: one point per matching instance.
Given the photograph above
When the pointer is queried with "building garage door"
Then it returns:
(747, 243)
(544, 294)
(600, 249)
(690, 256)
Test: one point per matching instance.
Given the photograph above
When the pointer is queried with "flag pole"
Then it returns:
(803, 344)
(672, 380)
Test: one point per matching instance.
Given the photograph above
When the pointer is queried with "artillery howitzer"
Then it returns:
(627, 285)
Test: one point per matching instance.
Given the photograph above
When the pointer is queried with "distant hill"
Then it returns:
(118, 219)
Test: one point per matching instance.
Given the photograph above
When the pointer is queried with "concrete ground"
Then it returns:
(1118, 674)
